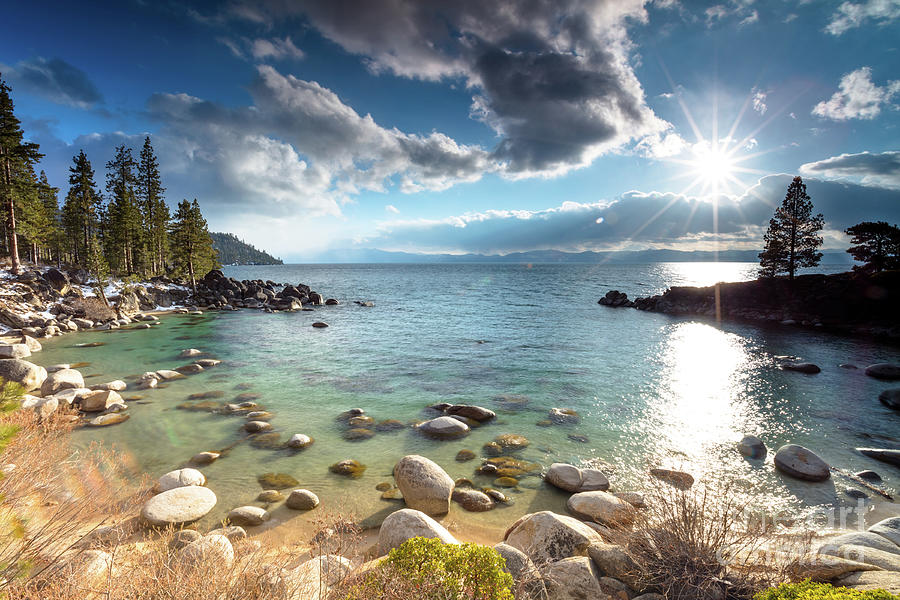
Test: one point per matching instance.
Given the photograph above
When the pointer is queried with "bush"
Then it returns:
(427, 569)
(94, 309)
(808, 590)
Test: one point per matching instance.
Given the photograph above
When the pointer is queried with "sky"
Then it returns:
(473, 126)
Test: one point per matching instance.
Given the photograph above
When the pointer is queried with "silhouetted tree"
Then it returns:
(792, 240)
(877, 244)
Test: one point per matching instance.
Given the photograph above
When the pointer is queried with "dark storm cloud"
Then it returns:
(638, 219)
(552, 78)
(54, 79)
(877, 170)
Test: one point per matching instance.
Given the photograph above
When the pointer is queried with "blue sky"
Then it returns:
(474, 126)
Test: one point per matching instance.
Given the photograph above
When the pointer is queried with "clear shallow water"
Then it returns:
(652, 390)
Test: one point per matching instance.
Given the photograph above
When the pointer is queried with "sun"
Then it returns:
(712, 164)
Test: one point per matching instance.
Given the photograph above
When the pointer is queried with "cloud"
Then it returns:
(741, 9)
(54, 79)
(553, 80)
(261, 49)
(759, 101)
(298, 147)
(392, 209)
(875, 170)
(858, 98)
(850, 15)
(636, 220)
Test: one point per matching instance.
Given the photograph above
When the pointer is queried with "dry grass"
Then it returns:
(702, 544)
(93, 309)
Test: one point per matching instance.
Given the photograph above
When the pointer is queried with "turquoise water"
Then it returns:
(652, 390)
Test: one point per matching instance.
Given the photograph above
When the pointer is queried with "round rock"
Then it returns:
(178, 506)
(248, 516)
(302, 500)
(179, 478)
(802, 463)
(424, 484)
(444, 428)
(886, 371)
(752, 447)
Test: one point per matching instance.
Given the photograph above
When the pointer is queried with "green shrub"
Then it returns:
(428, 569)
(808, 590)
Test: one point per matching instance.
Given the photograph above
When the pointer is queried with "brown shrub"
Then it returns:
(94, 309)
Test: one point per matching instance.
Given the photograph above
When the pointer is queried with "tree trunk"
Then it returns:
(11, 221)
(193, 281)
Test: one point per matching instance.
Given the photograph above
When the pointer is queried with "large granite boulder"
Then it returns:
(210, 550)
(424, 484)
(248, 516)
(179, 478)
(572, 479)
(14, 351)
(871, 580)
(99, 400)
(613, 561)
(527, 581)
(469, 411)
(444, 428)
(573, 578)
(886, 371)
(546, 536)
(601, 507)
(801, 463)
(64, 379)
(408, 523)
(889, 561)
(178, 506)
(888, 528)
(28, 375)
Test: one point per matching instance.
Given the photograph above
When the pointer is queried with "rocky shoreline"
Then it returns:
(560, 556)
(847, 303)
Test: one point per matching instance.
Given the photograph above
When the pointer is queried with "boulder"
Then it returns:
(572, 479)
(471, 412)
(407, 523)
(822, 567)
(601, 507)
(204, 458)
(886, 371)
(257, 426)
(888, 528)
(117, 386)
(546, 536)
(864, 539)
(299, 440)
(527, 581)
(302, 500)
(802, 367)
(108, 419)
(751, 446)
(167, 374)
(100, 400)
(190, 353)
(677, 479)
(248, 516)
(890, 398)
(14, 351)
(313, 579)
(33, 344)
(633, 498)
(182, 538)
(425, 485)
(44, 407)
(801, 463)
(472, 500)
(564, 416)
(888, 561)
(58, 280)
(211, 550)
(573, 578)
(62, 380)
(613, 561)
(444, 428)
(28, 375)
(70, 395)
(179, 478)
(232, 532)
(887, 455)
(872, 580)
(178, 506)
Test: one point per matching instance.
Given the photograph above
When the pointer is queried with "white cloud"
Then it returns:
(262, 49)
(759, 101)
(868, 169)
(392, 209)
(662, 146)
(850, 15)
(753, 17)
(858, 98)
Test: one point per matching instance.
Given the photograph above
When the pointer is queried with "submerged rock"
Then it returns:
(277, 481)
(299, 440)
(886, 371)
(887, 455)
(204, 458)
(677, 479)
(564, 416)
(890, 398)
(270, 496)
(348, 467)
(469, 411)
(444, 428)
(106, 420)
(801, 367)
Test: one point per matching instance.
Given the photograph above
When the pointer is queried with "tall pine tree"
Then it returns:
(875, 244)
(15, 155)
(82, 208)
(154, 209)
(192, 246)
(792, 240)
(123, 235)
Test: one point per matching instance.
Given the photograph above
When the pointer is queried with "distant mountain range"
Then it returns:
(234, 251)
(370, 255)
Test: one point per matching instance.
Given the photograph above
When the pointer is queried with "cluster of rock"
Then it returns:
(217, 290)
(849, 302)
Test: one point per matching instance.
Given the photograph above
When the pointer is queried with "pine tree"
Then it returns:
(793, 237)
(192, 246)
(82, 208)
(123, 235)
(15, 153)
(49, 198)
(875, 244)
(154, 208)
(95, 263)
